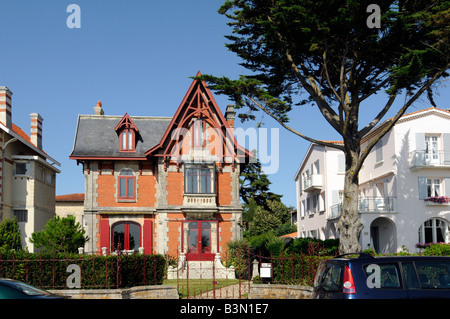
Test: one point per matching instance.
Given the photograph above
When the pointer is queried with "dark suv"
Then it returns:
(367, 277)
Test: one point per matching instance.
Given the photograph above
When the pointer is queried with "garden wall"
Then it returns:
(268, 291)
(142, 292)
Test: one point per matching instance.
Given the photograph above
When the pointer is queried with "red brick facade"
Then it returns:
(175, 194)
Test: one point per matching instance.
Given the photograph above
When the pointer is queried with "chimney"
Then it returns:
(98, 109)
(36, 130)
(5, 106)
(230, 115)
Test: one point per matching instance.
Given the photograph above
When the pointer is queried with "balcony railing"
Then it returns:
(199, 200)
(368, 205)
(420, 159)
(312, 182)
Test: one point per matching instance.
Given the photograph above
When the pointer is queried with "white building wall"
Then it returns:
(387, 173)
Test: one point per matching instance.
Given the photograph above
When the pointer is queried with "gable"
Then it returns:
(178, 142)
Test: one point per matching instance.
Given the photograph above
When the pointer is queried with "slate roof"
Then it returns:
(96, 136)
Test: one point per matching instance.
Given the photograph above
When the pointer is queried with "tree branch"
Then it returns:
(290, 129)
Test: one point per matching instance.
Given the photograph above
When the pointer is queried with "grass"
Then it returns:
(198, 286)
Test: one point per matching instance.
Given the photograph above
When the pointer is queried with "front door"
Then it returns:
(198, 240)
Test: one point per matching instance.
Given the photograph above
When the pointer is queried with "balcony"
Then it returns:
(424, 159)
(312, 183)
(199, 200)
(368, 205)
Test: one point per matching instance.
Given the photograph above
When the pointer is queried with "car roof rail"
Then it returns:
(361, 255)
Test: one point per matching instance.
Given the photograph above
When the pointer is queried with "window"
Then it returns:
(199, 180)
(433, 187)
(379, 151)
(127, 139)
(389, 275)
(21, 168)
(126, 184)
(126, 236)
(22, 215)
(434, 230)
(330, 278)
(199, 139)
(432, 147)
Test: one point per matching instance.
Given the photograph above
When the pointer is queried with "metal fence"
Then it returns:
(87, 271)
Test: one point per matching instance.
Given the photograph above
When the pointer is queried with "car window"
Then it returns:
(383, 275)
(433, 274)
(331, 278)
(410, 275)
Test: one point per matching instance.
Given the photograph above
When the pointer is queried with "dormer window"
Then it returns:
(127, 140)
(127, 130)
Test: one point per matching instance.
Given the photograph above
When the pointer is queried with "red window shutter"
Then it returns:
(148, 236)
(104, 233)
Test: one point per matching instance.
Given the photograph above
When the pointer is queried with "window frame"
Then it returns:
(198, 133)
(198, 182)
(127, 140)
(126, 231)
(127, 179)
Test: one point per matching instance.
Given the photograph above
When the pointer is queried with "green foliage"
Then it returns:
(254, 185)
(238, 254)
(50, 270)
(10, 237)
(440, 249)
(269, 219)
(61, 235)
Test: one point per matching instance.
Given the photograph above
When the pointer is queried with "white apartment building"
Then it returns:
(404, 184)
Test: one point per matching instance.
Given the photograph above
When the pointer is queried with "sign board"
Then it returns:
(265, 270)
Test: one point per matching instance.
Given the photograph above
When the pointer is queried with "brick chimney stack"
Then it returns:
(98, 109)
(230, 114)
(5, 106)
(36, 130)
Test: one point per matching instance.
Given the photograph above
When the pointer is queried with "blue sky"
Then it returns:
(136, 57)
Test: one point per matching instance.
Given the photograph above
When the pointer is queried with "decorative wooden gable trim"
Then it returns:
(198, 104)
(126, 122)
(127, 132)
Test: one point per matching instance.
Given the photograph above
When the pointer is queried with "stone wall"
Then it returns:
(260, 291)
(142, 292)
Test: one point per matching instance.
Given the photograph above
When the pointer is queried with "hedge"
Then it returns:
(50, 271)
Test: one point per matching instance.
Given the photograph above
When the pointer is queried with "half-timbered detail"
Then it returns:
(167, 185)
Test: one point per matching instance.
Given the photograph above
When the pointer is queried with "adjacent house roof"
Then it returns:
(76, 197)
(96, 136)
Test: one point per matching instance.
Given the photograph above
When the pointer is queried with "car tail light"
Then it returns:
(349, 284)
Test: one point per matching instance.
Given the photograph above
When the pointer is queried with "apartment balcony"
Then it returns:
(368, 205)
(427, 159)
(200, 200)
(312, 183)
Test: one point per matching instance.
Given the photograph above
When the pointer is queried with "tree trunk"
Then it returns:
(349, 224)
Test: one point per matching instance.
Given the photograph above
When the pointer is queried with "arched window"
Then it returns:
(127, 181)
(434, 230)
(126, 236)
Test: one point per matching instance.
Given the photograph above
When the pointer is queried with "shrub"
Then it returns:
(438, 249)
(45, 270)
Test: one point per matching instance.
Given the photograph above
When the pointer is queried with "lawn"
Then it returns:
(198, 286)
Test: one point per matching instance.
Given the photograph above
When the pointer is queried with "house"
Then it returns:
(404, 186)
(167, 185)
(28, 174)
(70, 205)
(320, 182)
